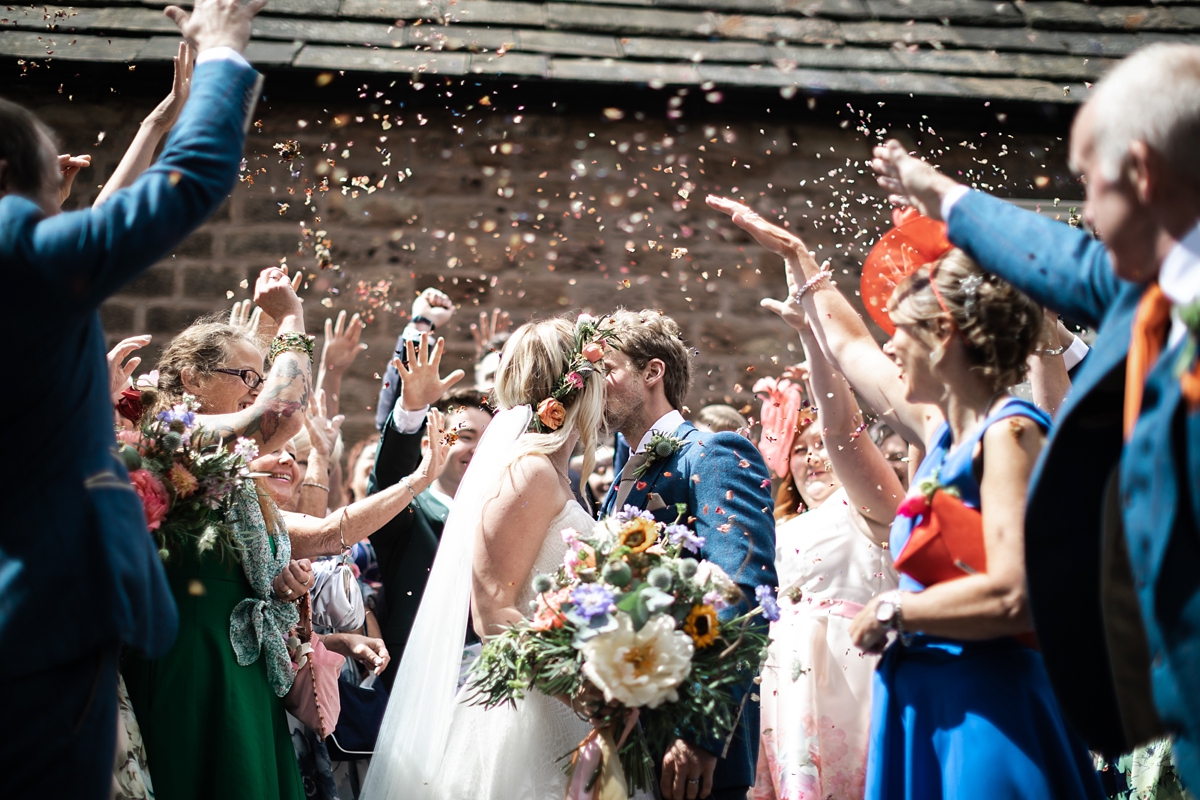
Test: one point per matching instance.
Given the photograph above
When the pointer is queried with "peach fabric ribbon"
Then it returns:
(1150, 326)
(598, 753)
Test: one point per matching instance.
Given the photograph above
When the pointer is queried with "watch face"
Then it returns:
(884, 612)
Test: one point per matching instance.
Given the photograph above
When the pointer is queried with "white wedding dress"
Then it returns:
(506, 753)
(434, 745)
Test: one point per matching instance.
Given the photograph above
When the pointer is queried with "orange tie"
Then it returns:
(1150, 327)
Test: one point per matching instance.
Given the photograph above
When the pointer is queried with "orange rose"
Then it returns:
(593, 351)
(551, 413)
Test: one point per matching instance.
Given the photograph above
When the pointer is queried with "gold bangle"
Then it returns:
(315, 486)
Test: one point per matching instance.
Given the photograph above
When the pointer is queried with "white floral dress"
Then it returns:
(816, 687)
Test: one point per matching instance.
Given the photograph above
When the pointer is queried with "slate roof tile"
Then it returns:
(1034, 50)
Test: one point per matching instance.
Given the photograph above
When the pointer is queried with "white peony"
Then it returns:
(639, 668)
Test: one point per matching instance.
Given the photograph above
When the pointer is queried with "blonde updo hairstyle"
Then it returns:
(998, 323)
(535, 357)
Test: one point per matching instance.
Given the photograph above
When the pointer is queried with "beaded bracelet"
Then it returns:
(290, 340)
(811, 284)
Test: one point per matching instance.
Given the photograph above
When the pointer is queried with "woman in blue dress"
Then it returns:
(961, 703)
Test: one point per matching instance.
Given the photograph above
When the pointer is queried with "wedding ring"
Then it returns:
(287, 591)
(693, 780)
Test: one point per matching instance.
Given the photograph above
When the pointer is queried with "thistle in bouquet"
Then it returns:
(634, 616)
(187, 484)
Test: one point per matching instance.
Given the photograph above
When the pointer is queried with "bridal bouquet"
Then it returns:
(631, 614)
(186, 488)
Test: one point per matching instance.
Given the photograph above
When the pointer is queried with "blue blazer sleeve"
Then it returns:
(91, 253)
(734, 511)
(1060, 267)
(733, 508)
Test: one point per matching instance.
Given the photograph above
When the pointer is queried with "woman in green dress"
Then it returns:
(211, 710)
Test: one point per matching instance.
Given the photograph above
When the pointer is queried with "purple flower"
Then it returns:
(681, 534)
(592, 600)
(630, 513)
(766, 599)
(246, 449)
(178, 415)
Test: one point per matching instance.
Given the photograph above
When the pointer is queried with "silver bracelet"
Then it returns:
(811, 284)
(408, 486)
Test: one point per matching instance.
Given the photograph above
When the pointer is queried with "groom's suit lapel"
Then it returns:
(667, 468)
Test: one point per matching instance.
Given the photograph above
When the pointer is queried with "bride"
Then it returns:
(514, 501)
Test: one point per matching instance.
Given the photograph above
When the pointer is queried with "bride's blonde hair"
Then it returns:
(534, 359)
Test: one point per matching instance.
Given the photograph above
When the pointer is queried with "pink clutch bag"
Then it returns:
(314, 698)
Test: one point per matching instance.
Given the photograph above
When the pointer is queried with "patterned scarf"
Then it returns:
(260, 625)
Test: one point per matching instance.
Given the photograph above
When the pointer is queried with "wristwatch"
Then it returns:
(887, 612)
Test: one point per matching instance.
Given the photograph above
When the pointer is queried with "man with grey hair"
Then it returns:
(1112, 535)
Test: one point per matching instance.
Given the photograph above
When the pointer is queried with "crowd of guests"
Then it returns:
(1041, 644)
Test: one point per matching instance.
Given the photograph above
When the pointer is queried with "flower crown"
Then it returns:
(591, 341)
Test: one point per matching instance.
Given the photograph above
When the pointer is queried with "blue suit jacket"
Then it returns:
(1159, 489)
(723, 481)
(78, 569)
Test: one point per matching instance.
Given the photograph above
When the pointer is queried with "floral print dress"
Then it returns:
(816, 685)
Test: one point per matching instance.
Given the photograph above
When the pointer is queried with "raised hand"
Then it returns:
(435, 306)
(275, 294)
(216, 23)
(245, 316)
(421, 385)
(119, 373)
(433, 458)
(69, 166)
(341, 343)
(322, 430)
(486, 330)
(165, 113)
(910, 181)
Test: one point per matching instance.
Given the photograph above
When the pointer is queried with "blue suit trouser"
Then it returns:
(59, 730)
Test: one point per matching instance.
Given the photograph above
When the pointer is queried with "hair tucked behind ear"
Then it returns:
(203, 346)
(998, 323)
(534, 358)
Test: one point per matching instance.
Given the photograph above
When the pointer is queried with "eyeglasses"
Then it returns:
(249, 377)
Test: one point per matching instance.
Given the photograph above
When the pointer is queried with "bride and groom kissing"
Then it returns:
(511, 507)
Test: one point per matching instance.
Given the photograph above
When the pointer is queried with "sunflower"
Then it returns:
(639, 534)
(702, 625)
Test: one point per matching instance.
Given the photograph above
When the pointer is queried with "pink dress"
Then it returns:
(816, 685)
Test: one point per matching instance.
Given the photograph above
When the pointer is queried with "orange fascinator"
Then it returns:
(780, 416)
(916, 241)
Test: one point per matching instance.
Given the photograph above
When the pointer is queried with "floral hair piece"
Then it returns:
(591, 342)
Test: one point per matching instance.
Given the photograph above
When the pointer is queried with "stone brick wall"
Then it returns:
(540, 212)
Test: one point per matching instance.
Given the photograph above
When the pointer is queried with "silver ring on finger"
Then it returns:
(693, 780)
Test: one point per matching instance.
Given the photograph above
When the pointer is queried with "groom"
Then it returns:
(722, 480)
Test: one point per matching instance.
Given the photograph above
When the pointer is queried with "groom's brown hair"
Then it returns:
(650, 334)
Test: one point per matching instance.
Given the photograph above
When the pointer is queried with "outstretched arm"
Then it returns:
(138, 157)
(97, 250)
(316, 536)
(278, 412)
(842, 334)
(870, 482)
(1057, 265)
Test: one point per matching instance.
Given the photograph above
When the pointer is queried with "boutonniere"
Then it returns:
(661, 447)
